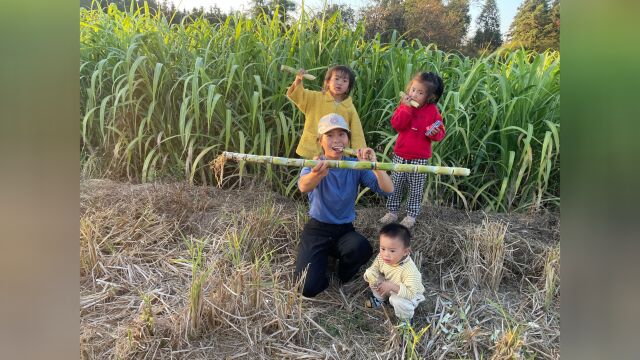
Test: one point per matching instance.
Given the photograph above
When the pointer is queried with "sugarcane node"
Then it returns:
(345, 164)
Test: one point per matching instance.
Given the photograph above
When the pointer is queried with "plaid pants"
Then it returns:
(415, 182)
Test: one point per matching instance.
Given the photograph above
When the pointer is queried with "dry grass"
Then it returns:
(551, 275)
(175, 271)
(483, 252)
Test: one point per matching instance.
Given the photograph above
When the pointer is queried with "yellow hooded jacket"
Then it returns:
(314, 105)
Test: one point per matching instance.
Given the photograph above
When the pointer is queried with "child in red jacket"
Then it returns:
(417, 127)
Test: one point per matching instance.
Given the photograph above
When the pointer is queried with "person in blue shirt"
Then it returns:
(332, 194)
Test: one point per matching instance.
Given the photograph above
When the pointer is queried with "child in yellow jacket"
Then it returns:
(334, 98)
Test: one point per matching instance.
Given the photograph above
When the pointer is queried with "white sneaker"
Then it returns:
(389, 218)
(408, 221)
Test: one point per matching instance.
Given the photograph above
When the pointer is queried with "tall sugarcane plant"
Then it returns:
(161, 100)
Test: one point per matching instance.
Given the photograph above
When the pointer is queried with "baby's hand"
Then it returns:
(385, 288)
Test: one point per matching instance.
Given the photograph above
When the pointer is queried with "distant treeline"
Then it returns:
(536, 25)
(213, 14)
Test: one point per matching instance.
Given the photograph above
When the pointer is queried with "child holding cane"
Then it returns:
(334, 98)
(417, 127)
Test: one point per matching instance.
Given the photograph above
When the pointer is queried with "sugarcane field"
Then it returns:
(281, 184)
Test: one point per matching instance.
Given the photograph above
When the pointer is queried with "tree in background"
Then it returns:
(214, 14)
(425, 20)
(347, 13)
(532, 26)
(554, 25)
(382, 17)
(430, 21)
(268, 7)
(259, 7)
(488, 28)
(433, 21)
(122, 5)
(457, 21)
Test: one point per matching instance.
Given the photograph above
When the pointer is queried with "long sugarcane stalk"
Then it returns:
(344, 164)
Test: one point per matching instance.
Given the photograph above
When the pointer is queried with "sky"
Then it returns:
(506, 8)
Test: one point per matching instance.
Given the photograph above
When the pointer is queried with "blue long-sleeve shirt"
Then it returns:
(333, 199)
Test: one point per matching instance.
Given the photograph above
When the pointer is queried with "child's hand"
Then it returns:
(434, 128)
(366, 154)
(406, 100)
(374, 285)
(386, 287)
(300, 75)
(431, 132)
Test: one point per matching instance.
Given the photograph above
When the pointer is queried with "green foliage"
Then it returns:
(430, 21)
(162, 100)
(535, 26)
(553, 29)
(174, 15)
(383, 19)
(271, 8)
(346, 12)
(488, 27)
(457, 21)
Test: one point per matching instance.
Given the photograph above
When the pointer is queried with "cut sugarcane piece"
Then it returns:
(412, 102)
(343, 164)
(350, 152)
(295, 72)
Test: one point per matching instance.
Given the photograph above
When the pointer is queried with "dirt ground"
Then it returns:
(179, 271)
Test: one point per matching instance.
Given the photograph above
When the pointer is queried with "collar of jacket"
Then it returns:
(403, 261)
(329, 98)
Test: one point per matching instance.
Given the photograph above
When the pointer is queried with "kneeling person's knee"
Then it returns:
(356, 247)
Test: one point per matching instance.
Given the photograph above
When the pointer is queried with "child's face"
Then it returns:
(338, 83)
(419, 92)
(392, 250)
(333, 143)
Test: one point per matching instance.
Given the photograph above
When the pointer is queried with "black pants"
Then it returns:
(320, 240)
